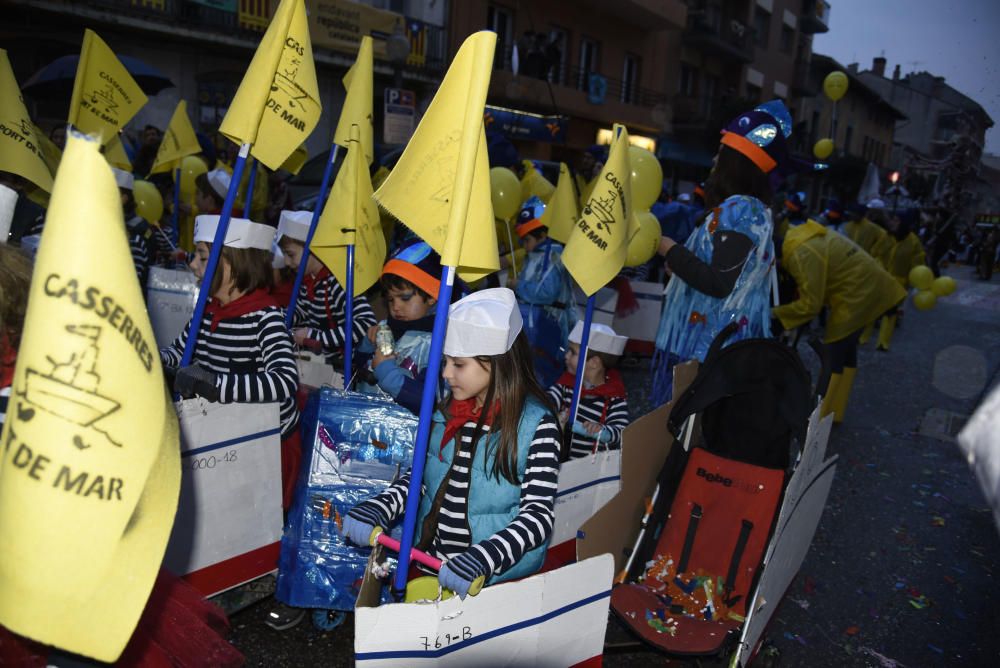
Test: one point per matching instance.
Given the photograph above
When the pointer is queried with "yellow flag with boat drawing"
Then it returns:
(351, 217)
(562, 212)
(21, 150)
(277, 104)
(178, 142)
(105, 96)
(440, 188)
(598, 243)
(90, 464)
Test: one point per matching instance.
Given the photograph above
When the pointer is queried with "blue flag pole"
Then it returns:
(175, 234)
(424, 430)
(251, 181)
(317, 210)
(349, 318)
(213, 257)
(581, 360)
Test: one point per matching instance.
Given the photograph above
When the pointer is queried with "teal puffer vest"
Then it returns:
(492, 503)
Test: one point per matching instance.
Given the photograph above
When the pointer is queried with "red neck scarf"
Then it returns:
(248, 303)
(611, 388)
(461, 412)
(310, 282)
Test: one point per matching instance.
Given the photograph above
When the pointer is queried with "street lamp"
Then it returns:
(397, 47)
(894, 179)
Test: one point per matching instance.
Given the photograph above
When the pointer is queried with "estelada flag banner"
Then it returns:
(351, 217)
(597, 245)
(562, 212)
(178, 142)
(358, 82)
(444, 200)
(21, 150)
(90, 469)
(105, 96)
(277, 104)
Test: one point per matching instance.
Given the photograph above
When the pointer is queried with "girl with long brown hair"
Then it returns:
(492, 464)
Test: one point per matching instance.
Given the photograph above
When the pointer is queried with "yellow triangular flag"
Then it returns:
(351, 207)
(440, 188)
(20, 148)
(115, 154)
(533, 184)
(51, 152)
(91, 461)
(105, 96)
(596, 248)
(179, 141)
(277, 104)
(562, 212)
(295, 161)
(359, 82)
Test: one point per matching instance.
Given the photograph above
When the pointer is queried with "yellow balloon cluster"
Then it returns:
(930, 288)
(921, 277)
(835, 85)
(943, 286)
(924, 300)
(647, 178)
(505, 191)
(823, 148)
(148, 201)
(645, 241)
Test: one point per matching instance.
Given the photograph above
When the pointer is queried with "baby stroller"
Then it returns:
(737, 502)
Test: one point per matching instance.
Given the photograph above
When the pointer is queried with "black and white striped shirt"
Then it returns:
(612, 412)
(323, 314)
(531, 527)
(253, 357)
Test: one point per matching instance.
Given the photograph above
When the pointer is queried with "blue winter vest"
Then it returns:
(492, 503)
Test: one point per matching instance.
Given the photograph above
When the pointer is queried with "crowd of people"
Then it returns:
(513, 343)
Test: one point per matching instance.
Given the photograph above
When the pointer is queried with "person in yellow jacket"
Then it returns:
(831, 270)
(904, 252)
(866, 232)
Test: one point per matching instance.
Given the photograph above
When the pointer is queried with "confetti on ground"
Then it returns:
(801, 603)
(937, 521)
(883, 660)
(852, 630)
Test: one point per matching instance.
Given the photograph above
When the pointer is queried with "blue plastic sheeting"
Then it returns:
(354, 446)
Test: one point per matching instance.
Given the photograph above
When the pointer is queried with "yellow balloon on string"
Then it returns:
(835, 85)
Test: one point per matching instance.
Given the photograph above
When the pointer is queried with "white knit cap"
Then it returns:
(124, 179)
(602, 338)
(219, 179)
(484, 323)
(241, 233)
(294, 225)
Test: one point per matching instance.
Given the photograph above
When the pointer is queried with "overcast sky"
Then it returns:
(959, 40)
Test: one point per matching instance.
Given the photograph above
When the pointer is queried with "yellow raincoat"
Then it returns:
(829, 269)
(870, 236)
(902, 256)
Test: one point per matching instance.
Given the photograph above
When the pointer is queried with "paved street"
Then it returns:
(901, 572)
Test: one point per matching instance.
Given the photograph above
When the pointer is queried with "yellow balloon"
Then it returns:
(835, 85)
(148, 201)
(924, 300)
(191, 167)
(505, 193)
(921, 277)
(643, 245)
(647, 178)
(943, 286)
(823, 148)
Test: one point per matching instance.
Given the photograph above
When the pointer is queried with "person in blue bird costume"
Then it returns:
(722, 274)
(544, 293)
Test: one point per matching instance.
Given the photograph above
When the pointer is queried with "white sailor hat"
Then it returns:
(484, 323)
(219, 179)
(602, 338)
(294, 225)
(124, 179)
(241, 233)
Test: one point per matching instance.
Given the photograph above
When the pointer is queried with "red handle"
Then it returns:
(415, 554)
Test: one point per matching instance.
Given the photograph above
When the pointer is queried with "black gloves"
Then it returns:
(193, 381)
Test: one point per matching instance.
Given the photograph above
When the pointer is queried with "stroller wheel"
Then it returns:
(327, 620)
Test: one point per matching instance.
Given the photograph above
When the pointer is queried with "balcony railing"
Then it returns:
(724, 36)
(815, 16)
(428, 42)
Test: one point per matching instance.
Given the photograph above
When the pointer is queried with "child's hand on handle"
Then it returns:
(357, 531)
(462, 574)
(592, 430)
